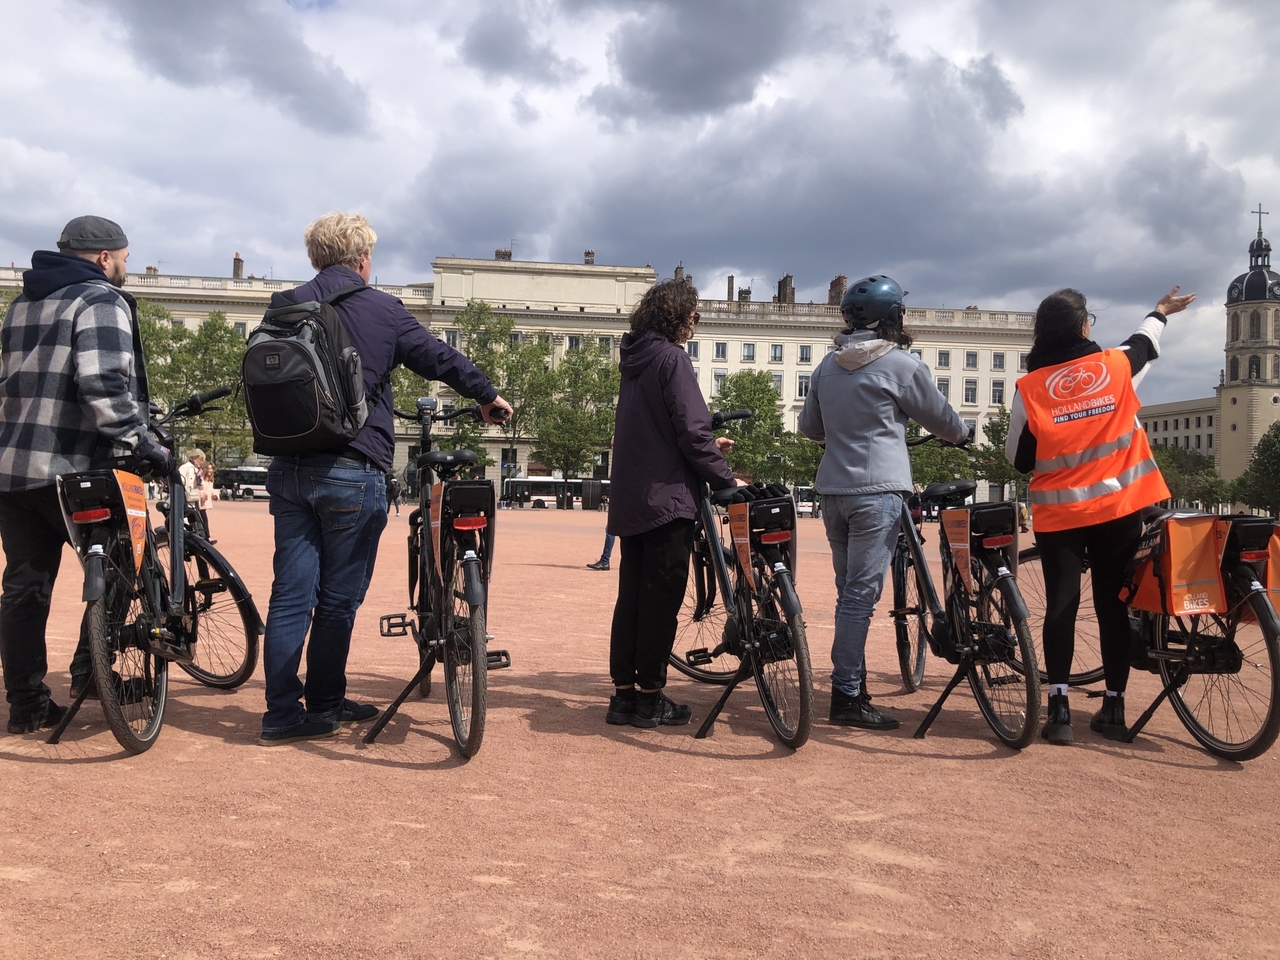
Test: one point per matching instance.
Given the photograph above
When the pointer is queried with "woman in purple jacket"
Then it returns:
(663, 451)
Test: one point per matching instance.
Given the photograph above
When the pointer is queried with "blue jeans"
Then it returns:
(329, 514)
(862, 530)
(609, 538)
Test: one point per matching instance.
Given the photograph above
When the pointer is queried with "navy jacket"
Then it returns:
(663, 447)
(386, 336)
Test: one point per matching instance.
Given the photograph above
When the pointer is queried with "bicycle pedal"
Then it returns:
(698, 658)
(163, 645)
(393, 625)
(498, 659)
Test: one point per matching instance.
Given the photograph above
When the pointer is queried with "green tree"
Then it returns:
(759, 451)
(935, 463)
(574, 422)
(800, 459)
(987, 458)
(1191, 477)
(162, 344)
(208, 359)
(1259, 485)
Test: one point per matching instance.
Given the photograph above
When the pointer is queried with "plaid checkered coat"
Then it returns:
(72, 394)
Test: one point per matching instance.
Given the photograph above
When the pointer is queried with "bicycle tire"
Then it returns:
(702, 629)
(1235, 716)
(783, 672)
(1008, 696)
(911, 620)
(132, 683)
(466, 661)
(222, 619)
(1086, 662)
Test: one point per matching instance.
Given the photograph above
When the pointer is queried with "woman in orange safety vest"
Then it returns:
(1074, 426)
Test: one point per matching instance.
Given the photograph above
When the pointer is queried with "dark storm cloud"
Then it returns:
(997, 99)
(196, 43)
(499, 43)
(691, 58)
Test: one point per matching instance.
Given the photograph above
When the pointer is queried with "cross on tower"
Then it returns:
(1261, 213)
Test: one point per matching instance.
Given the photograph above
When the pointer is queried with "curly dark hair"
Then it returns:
(665, 307)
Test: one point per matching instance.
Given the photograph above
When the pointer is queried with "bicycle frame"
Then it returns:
(909, 539)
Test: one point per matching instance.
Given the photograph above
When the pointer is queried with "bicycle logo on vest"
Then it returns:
(1079, 385)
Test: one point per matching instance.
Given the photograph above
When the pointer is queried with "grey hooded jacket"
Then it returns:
(860, 399)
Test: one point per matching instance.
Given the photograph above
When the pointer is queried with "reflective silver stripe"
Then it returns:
(1085, 456)
(1095, 490)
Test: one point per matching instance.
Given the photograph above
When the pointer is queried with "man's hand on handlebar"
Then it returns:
(724, 444)
(158, 458)
(496, 412)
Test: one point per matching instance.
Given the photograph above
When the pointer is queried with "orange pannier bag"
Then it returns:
(1177, 569)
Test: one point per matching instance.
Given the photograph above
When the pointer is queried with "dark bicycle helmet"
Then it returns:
(871, 301)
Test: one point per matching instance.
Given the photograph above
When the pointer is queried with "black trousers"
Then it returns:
(33, 534)
(1110, 545)
(651, 582)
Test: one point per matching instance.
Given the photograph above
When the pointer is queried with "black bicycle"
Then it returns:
(981, 624)
(146, 608)
(1086, 664)
(743, 609)
(451, 540)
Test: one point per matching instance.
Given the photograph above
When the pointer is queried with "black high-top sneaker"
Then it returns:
(847, 711)
(1057, 727)
(1109, 721)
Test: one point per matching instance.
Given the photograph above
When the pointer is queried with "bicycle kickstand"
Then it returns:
(390, 712)
(1178, 680)
(744, 671)
(70, 715)
(965, 666)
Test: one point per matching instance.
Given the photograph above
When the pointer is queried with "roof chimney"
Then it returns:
(589, 257)
(730, 297)
(502, 254)
(152, 271)
(237, 267)
(835, 292)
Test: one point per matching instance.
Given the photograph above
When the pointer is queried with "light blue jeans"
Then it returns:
(862, 530)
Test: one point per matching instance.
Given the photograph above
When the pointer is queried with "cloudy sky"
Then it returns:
(980, 151)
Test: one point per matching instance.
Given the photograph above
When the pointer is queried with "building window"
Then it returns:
(971, 391)
(1233, 369)
(775, 353)
(1255, 368)
(944, 388)
(514, 340)
(971, 359)
(1197, 423)
(1186, 423)
(177, 324)
(606, 343)
(692, 347)
(1197, 441)
(806, 353)
(944, 359)
(241, 329)
(1165, 427)
(997, 361)
(777, 384)
(1235, 326)
(1022, 362)
(997, 393)
(748, 353)
(1255, 326)
(1209, 441)
(1175, 441)
(971, 424)
(1275, 366)
(575, 342)
(831, 348)
(695, 373)
(717, 381)
(1209, 423)
(451, 338)
(721, 351)
(918, 354)
(802, 385)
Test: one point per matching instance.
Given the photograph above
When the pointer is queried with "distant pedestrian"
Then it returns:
(393, 492)
(206, 498)
(603, 562)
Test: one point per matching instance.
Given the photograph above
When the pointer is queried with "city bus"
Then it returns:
(545, 492)
(241, 483)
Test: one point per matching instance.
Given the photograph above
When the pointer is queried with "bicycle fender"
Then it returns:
(95, 577)
(790, 602)
(473, 588)
(235, 578)
(1017, 606)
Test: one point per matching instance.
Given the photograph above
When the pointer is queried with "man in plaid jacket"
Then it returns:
(73, 395)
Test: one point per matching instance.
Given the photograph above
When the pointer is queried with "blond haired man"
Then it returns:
(330, 509)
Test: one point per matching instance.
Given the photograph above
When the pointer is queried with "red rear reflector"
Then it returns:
(780, 536)
(91, 516)
(1254, 554)
(997, 541)
(470, 523)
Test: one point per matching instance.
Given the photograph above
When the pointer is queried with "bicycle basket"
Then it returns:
(1177, 567)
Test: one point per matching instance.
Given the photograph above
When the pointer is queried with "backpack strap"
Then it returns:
(343, 292)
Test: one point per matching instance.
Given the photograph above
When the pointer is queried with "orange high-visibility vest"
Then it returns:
(1093, 463)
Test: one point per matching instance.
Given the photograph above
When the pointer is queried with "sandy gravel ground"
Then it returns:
(565, 837)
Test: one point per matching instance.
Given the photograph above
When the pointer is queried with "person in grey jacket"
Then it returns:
(859, 402)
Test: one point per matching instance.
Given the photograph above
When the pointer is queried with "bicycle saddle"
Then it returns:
(440, 458)
(1155, 512)
(948, 490)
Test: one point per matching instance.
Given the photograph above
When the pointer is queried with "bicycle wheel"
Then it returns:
(1086, 664)
(784, 675)
(466, 661)
(911, 620)
(219, 613)
(702, 621)
(1234, 714)
(1008, 695)
(132, 683)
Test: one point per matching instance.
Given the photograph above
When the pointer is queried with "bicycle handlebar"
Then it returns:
(721, 417)
(499, 415)
(929, 438)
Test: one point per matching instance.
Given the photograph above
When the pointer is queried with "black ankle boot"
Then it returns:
(1057, 727)
(1109, 721)
(847, 711)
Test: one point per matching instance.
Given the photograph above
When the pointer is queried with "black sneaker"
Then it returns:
(621, 710)
(49, 716)
(1057, 727)
(306, 730)
(352, 712)
(659, 710)
(1109, 721)
(847, 711)
(598, 565)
